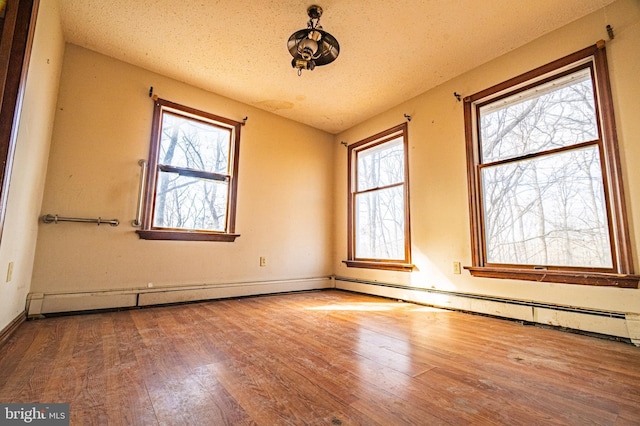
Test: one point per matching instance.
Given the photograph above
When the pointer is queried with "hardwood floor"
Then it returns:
(321, 358)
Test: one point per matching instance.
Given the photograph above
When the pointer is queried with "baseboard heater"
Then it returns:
(611, 323)
(39, 304)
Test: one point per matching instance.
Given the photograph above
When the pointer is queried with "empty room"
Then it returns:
(342, 213)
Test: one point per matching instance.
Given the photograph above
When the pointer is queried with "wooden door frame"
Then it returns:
(15, 50)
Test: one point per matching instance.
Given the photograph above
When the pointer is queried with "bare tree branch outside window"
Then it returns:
(187, 202)
(541, 177)
(380, 203)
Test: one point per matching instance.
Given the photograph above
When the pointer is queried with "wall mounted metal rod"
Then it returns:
(54, 218)
(143, 178)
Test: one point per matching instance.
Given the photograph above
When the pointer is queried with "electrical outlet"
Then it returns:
(457, 268)
(9, 271)
(263, 261)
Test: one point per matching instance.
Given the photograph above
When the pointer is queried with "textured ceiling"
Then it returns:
(390, 51)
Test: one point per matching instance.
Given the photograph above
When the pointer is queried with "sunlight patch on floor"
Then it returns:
(376, 306)
(362, 306)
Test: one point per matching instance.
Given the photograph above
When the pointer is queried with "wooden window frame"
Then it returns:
(621, 273)
(148, 231)
(405, 264)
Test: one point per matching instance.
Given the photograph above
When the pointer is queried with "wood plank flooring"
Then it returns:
(317, 358)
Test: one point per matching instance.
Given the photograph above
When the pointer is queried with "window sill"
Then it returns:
(553, 276)
(388, 266)
(185, 236)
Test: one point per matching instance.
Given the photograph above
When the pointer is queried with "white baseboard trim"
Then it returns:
(48, 303)
(9, 329)
(607, 323)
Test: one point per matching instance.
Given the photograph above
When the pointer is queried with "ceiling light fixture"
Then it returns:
(312, 46)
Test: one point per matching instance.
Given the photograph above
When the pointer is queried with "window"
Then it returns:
(192, 182)
(379, 202)
(546, 195)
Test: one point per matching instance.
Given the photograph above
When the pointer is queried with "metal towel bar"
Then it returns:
(54, 218)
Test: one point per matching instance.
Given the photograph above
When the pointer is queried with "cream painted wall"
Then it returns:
(439, 207)
(102, 128)
(30, 162)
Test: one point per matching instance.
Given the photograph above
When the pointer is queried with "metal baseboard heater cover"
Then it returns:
(601, 322)
(564, 308)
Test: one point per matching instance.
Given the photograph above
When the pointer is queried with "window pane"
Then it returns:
(194, 145)
(381, 165)
(547, 211)
(190, 203)
(556, 114)
(380, 224)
